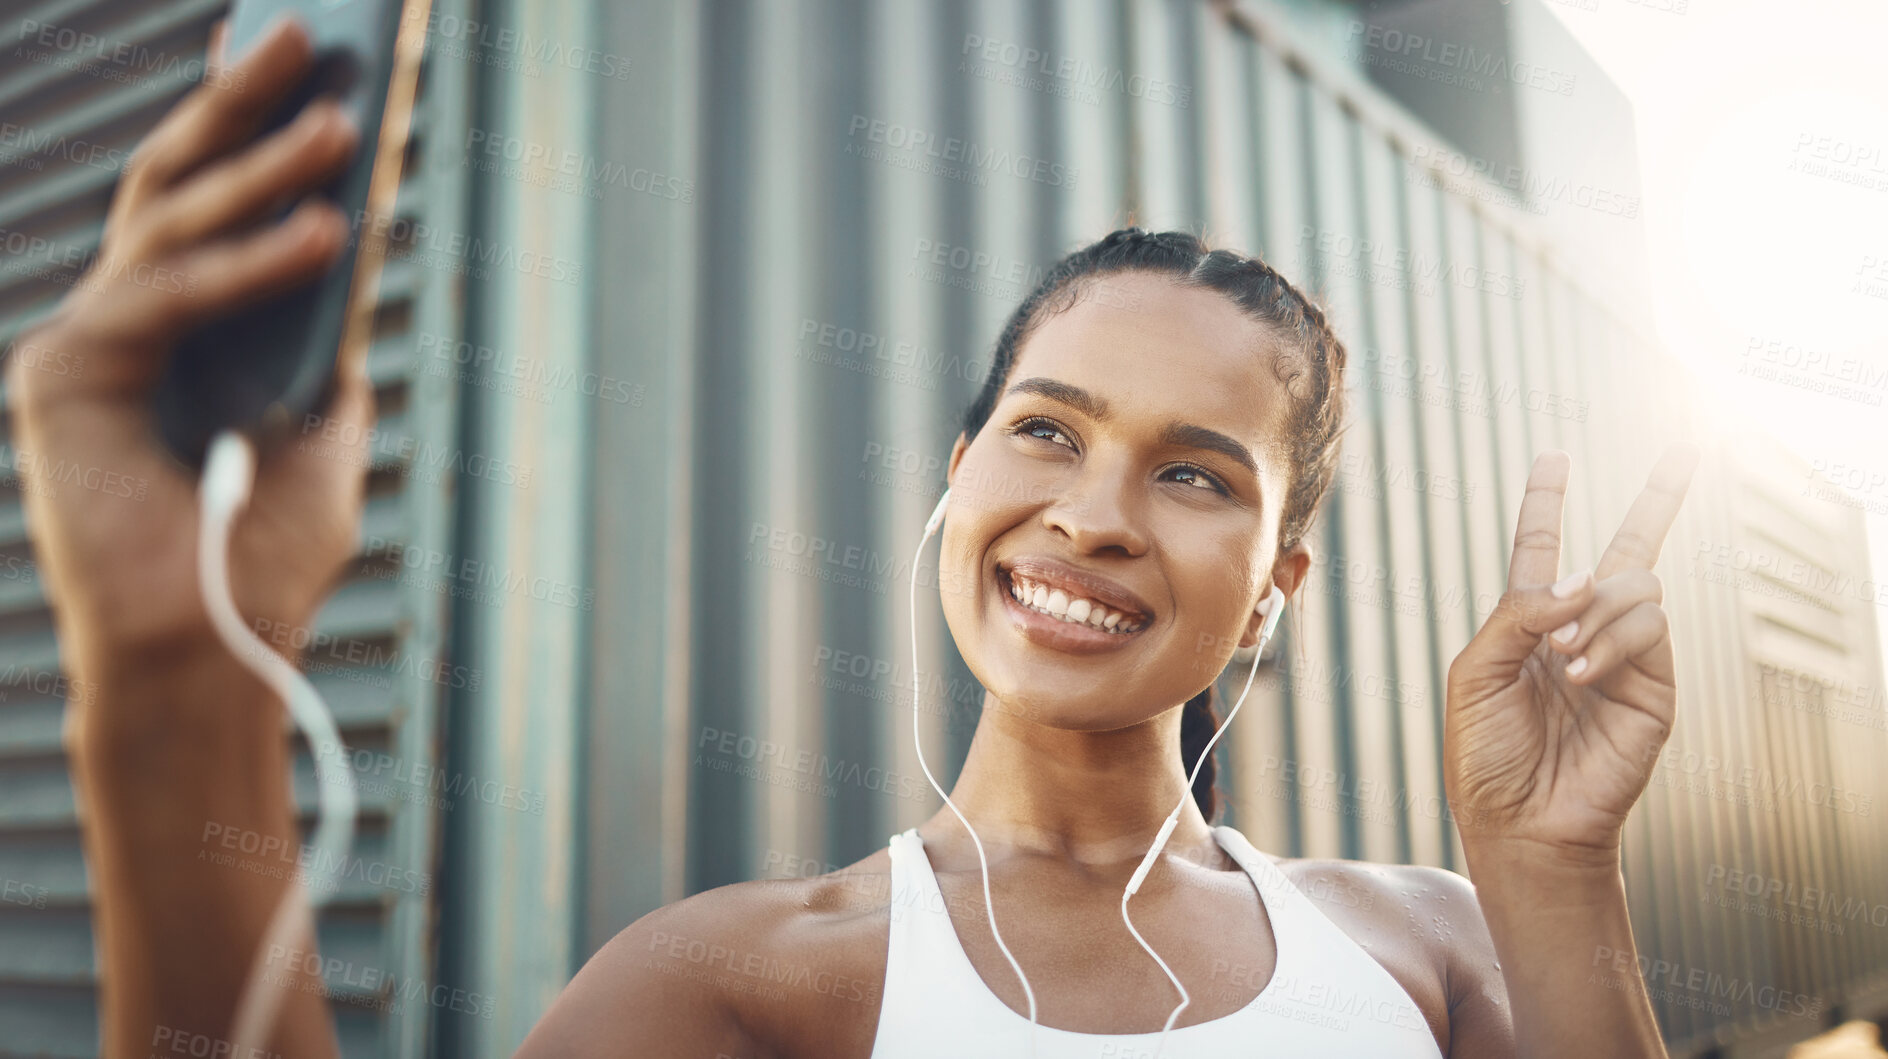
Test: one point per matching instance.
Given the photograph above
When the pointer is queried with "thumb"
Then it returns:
(1521, 617)
(215, 53)
(329, 461)
(343, 431)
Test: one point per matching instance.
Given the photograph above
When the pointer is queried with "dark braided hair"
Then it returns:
(1310, 363)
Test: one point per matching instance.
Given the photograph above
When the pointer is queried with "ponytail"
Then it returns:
(1199, 719)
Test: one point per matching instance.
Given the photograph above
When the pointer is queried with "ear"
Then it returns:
(957, 454)
(1288, 573)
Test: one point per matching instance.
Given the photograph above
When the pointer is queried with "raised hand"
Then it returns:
(189, 237)
(1559, 705)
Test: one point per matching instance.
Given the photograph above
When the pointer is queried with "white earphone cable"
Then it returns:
(228, 475)
(1273, 608)
(930, 527)
(1272, 604)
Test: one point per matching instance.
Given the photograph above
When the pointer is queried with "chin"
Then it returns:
(1099, 711)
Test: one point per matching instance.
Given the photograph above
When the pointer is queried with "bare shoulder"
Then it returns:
(1425, 926)
(751, 969)
(1433, 907)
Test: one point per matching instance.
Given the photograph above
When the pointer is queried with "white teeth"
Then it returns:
(1058, 604)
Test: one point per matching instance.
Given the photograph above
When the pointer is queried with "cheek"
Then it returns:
(1001, 479)
(1210, 588)
(1204, 625)
(959, 570)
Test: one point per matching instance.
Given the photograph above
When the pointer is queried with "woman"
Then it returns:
(1136, 477)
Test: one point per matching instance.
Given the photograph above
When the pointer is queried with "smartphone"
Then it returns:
(264, 369)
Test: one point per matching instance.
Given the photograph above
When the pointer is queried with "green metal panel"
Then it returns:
(531, 395)
(382, 668)
(1387, 476)
(637, 746)
(1477, 349)
(1382, 370)
(1229, 105)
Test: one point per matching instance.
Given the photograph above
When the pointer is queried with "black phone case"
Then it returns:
(266, 367)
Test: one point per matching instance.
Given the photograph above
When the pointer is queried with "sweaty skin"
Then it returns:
(1073, 764)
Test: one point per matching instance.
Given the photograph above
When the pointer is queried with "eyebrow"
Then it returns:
(1175, 433)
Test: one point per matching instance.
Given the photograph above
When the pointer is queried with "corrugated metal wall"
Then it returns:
(744, 374)
(82, 83)
(815, 319)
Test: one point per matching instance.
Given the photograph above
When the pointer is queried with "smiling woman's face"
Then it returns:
(1110, 470)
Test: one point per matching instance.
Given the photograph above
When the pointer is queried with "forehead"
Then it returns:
(1158, 351)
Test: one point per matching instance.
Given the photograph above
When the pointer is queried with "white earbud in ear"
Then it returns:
(1273, 608)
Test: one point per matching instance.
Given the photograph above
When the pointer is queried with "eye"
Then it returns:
(1204, 475)
(1033, 424)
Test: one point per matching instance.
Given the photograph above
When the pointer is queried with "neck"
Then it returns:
(1095, 798)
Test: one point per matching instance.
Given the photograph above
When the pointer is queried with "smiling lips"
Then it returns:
(1080, 610)
(1075, 600)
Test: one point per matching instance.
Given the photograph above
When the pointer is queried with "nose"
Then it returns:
(1100, 509)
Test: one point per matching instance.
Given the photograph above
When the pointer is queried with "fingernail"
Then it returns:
(1567, 586)
(277, 27)
(328, 111)
(310, 219)
(280, 26)
(1577, 666)
(1567, 632)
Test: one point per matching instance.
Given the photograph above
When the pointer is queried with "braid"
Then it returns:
(1310, 363)
(1198, 721)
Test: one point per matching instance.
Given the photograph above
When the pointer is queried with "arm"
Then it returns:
(171, 742)
(178, 931)
(651, 992)
(1556, 712)
(1523, 949)
(1565, 946)
(174, 746)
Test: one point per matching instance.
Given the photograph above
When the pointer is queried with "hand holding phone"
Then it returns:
(189, 238)
(264, 368)
(161, 718)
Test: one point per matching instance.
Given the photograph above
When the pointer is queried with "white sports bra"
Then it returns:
(1327, 996)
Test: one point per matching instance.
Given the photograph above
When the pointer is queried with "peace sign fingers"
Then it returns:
(1636, 544)
(1536, 557)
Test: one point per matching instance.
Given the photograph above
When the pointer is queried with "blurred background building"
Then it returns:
(689, 299)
